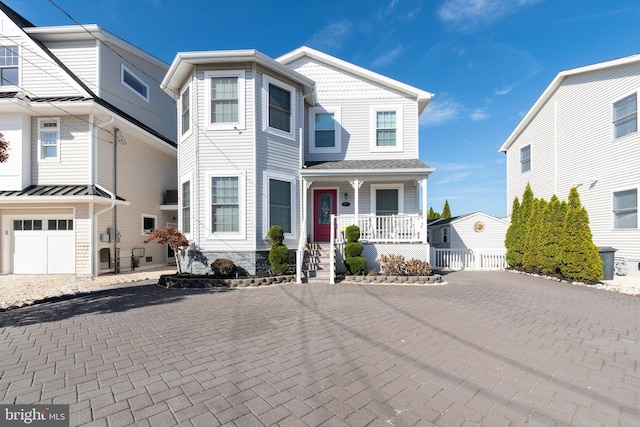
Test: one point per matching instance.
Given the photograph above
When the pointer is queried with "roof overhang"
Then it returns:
(61, 199)
(421, 96)
(185, 62)
(555, 84)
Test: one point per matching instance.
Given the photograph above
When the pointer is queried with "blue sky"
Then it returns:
(486, 61)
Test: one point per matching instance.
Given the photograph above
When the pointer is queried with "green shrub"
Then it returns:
(223, 268)
(279, 258)
(356, 265)
(352, 233)
(276, 235)
(372, 272)
(353, 249)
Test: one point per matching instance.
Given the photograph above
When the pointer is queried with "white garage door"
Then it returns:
(43, 246)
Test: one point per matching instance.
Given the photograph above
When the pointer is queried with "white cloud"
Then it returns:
(388, 57)
(331, 36)
(438, 113)
(469, 14)
(504, 90)
(479, 114)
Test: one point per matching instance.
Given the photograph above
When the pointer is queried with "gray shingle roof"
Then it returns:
(368, 164)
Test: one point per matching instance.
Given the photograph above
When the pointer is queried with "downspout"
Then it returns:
(93, 179)
(116, 264)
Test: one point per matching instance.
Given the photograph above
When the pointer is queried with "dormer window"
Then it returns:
(135, 83)
(9, 66)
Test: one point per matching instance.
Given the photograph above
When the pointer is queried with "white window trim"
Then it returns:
(266, 81)
(19, 67)
(399, 147)
(142, 82)
(240, 124)
(40, 129)
(337, 117)
(530, 159)
(399, 187)
(267, 175)
(613, 215)
(242, 178)
(613, 126)
(190, 130)
(183, 179)
(142, 218)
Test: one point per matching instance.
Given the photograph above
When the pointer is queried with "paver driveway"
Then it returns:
(487, 349)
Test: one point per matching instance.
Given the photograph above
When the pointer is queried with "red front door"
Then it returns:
(324, 204)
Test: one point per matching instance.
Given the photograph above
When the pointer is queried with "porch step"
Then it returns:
(315, 264)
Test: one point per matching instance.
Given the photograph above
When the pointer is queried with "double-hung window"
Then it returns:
(625, 116)
(185, 110)
(280, 204)
(49, 139)
(226, 99)
(279, 107)
(225, 204)
(186, 207)
(324, 132)
(9, 66)
(135, 83)
(386, 129)
(625, 209)
(525, 158)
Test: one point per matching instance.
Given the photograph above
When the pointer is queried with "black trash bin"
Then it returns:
(607, 255)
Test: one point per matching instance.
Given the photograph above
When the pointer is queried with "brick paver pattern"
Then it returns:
(488, 348)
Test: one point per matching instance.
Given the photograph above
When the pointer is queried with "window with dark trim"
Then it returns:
(280, 204)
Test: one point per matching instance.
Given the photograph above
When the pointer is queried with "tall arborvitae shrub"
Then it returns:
(511, 233)
(446, 211)
(520, 223)
(551, 235)
(432, 214)
(532, 241)
(579, 255)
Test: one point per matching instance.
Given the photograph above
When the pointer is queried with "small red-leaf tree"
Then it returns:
(4, 149)
(171, 237)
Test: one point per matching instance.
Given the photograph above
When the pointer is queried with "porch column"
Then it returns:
(423, 184)
(355, 184)
(302, 239)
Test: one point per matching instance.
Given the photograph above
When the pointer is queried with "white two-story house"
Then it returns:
(583, 132)
(305, 141)
(92, 150)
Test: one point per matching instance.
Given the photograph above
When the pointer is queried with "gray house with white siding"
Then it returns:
(583, 132)
(92, 152)
(305, 141)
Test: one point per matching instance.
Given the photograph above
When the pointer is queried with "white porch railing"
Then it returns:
(390, 228)
(468, 259)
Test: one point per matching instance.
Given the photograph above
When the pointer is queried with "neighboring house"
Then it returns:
(583, 132)
(474, 240)
(91, 150)
(292, 141)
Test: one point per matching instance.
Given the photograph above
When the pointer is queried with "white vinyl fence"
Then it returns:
(468, 259)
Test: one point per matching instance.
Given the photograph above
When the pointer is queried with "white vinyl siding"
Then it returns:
(225, 99)
(135, 83)
(625, 209)
(625, 116)
(80, 57)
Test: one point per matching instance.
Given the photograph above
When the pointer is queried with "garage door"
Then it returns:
(43, 246)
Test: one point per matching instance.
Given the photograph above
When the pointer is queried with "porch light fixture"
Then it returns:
(346, 196)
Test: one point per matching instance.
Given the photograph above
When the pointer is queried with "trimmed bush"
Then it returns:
(223, 268)
(353, 249)
(276, 235)
(279, 258)
(353, 261)
(352, 233)
(356, 265)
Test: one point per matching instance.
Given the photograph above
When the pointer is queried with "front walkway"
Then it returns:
(488, 348)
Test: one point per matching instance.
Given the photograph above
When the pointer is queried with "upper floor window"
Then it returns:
(185, 110)
(49, 139)
(134, 83)
(445, 235)
(324, 133)
(625, 209)
(186, 207)
(386, 129)
(8, 65)
(279, 111)
(625, 116)
(525, 158)
(226, 99)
